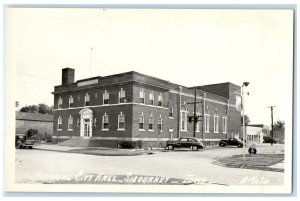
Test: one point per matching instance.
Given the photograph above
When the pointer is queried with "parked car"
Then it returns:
(186, 142)
(23, 141)
(268, 139)
(231, 142)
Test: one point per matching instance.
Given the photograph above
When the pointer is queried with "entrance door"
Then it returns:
(86, 131)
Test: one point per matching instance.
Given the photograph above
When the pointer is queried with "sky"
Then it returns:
(185, 46)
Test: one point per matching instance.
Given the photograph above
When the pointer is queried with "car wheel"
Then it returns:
(222, 145)
(240, 145)
(194, 148)
(170, 147)
(30, 147)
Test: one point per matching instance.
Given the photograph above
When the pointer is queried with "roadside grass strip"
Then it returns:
(257, 161)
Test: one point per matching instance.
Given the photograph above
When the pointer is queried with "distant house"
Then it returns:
(256, 132)
(41, 122)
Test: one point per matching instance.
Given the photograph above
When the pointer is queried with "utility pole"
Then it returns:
(272, 127)
(195, 117)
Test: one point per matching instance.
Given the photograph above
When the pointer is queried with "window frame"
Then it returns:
(216, 124)
(151, 123)
(70, 118)
(119, 115)
(142, 91)
(105, 99)
(87, 96)
(59, 103)
(151, 99)
(71, 102)
(160, 122)
(160, 100)
(206, 123)
(143, 122)
(172, 112)
(224, 124)
(103, 123)
(59, 123)
(122, 99)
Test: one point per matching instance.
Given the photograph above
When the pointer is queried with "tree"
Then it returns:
(279, 131)
(247, 119)
(40, 108)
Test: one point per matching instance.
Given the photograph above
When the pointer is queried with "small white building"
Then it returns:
(256, 132)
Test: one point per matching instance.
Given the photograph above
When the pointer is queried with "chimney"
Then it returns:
(67, 75)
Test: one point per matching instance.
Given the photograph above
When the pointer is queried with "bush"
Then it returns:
(32, 133)
(130, 144)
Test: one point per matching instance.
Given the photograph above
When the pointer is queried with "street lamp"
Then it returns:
(245, 84)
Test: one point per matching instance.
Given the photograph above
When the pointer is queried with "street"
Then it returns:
(38, 166)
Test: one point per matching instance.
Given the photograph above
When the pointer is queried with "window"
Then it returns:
(60, 102)
(216, 124)
(105, 122)
(105, 98)
(70, 123)
(141, 122)
(198, 113)
(142, 96)
(121, 121)
(159, 123)
(87, 99)
(206, 125)
(71, 101)
(122, 96)
(224, 124)
(170, 112)
(160, 100)
(59, 123)
(151, 121)
(151, 98)
(183, 118)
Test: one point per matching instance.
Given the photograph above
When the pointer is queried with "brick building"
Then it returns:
(132, 106)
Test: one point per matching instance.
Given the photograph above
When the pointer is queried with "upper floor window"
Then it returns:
(151, 98)
(122, 96)
(105, 97)
(142, 96)
(59, 123)
(87, 99)
(216, 124)
(160, 100)
(70, 123)
(151, 121)
(171, 112)
(121, 121)
(198, 113)
(105, 122)
(141, 122)
(59, 103)
(160, 123)
(71, 101)
(224, 120)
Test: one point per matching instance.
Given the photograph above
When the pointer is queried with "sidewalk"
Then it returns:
(103, 151)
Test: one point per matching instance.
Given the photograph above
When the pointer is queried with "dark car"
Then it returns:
(187, 142)
(231, 142)
(268, 139)
(23, 141)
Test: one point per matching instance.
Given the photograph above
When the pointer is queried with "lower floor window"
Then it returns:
(105, 122)
(121, 120)
(141, 122)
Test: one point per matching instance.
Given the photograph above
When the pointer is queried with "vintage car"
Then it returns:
(23, 141)
(185, 142)
(231, 142)
(268, 139)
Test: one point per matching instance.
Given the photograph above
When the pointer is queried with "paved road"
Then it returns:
(36, 165)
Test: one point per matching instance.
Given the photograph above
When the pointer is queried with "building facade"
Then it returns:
(41, 122)
(256, 132)
(136, 107)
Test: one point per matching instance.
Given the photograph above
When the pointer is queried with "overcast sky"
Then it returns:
(187, 47)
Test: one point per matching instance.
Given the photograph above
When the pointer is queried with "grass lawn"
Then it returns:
(258, 160)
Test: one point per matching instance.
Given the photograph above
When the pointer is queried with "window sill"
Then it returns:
(59, 129)
(70, 129)
(171, 117)
(142, 130)
(183, 131)
(216, 132)
(122, 129)
(105, 130)
(151, 130)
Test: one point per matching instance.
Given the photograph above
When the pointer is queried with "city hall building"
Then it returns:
(135, 107)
